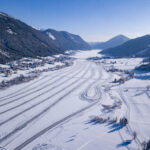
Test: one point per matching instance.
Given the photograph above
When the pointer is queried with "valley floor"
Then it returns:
(56, 111)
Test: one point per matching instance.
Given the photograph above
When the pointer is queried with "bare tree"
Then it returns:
(134, 135)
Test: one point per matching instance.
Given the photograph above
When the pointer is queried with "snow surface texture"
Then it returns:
(51, 36)
(4, 53)
(10, 31)
(56, 111)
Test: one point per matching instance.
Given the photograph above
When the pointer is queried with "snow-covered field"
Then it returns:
(56, 111)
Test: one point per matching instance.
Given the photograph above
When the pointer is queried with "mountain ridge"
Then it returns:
(67, 40)
(18, 39)
(115, 41)
(138, 47)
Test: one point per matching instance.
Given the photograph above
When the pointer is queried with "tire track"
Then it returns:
(32, 92)
(48, 90)
(84, 94)
(58, 71)
(51, 77)
(28, 141)
(26, 90)
(42, 101)
(130, 131)
(47, 108)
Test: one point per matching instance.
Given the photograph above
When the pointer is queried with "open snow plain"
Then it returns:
(57, 111)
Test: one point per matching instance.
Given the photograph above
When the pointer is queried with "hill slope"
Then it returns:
(18, 40)
(67, 40)
(115, 41)
(139, 47)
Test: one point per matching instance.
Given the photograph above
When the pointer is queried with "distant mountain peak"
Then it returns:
(120, 36)
(115, 41)
(138, 47)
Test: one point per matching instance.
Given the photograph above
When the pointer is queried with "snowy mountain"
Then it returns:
(115, 41)
(18, 40)
(66, 40)
(138, 47)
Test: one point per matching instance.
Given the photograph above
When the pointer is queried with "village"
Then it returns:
(27, 69)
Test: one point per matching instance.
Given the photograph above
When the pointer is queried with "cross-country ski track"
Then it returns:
(53, 111)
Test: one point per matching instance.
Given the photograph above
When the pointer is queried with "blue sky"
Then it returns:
(94, 20)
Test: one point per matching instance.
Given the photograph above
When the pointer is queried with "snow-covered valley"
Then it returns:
(78, 107)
